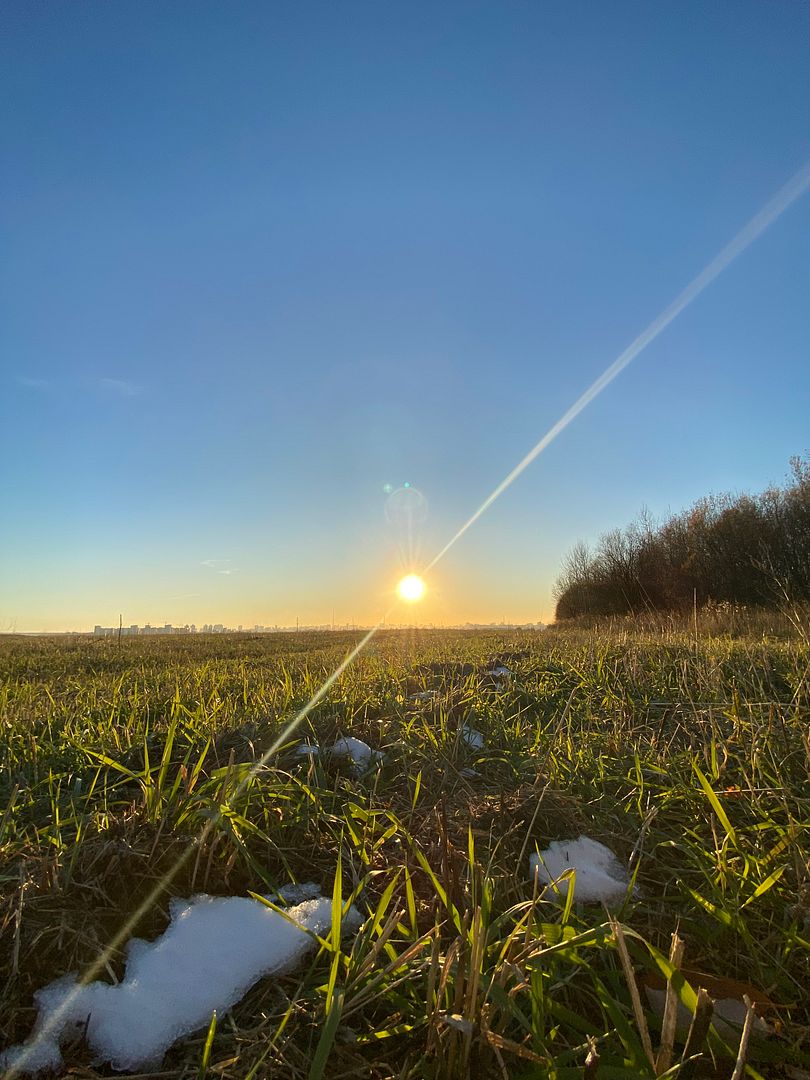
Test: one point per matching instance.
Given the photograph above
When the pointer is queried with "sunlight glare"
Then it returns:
(411, 588)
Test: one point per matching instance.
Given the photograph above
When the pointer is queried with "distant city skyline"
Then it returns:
(264, 269)
(148, 629)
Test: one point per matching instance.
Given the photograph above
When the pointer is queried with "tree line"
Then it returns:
(743, 549)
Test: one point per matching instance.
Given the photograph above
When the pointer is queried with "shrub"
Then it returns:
(743, 549)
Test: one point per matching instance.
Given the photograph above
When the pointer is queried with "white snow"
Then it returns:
(361, 753)
(502, 672)
(728, 1016)
(295, 894)
(600, 877)
(306, 749)
(213, 951)
(474, 739)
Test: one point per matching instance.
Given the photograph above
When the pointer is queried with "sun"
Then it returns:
(411, 588)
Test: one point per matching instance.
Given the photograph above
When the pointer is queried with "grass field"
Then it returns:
(126, 778)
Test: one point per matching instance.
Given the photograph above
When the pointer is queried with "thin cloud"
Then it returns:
(220, 566)
(34, 384)
(230, 570)
(121, 387)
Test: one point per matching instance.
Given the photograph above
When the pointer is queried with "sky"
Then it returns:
(264, 263)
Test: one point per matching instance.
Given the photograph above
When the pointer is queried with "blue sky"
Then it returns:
(260, 260)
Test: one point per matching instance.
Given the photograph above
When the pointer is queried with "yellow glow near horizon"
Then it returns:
(411, 588)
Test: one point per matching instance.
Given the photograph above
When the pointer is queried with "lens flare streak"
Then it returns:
(773, 209)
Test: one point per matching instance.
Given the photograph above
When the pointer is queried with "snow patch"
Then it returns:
(474, 739)
(728, 1016)
(294, 894)
(306, 749)
(361, 754)
(600, 877)
(502, 672)
(213, 951)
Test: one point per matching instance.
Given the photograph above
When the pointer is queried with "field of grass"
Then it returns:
(126, 778)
